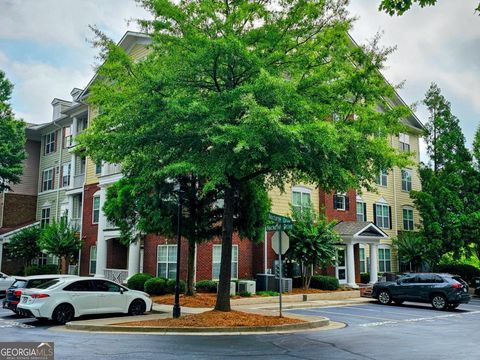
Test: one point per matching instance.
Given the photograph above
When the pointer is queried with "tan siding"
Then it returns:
(281, 201)
(29, 180)
(90, 176)
(139, 51)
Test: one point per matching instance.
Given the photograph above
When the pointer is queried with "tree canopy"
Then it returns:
(12, 139)
(24, 245)
(399, 7)
(235, 91)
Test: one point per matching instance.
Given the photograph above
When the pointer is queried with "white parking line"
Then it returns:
(388, 310)
(346, 314)
(418, 319)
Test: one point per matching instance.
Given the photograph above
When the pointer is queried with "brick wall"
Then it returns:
(19, 209)
(150, 244)
(89, 230)
(326, 202)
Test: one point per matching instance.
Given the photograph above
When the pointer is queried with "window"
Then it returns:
(406, 180)
(340, 202)
(217, 255)
(98, 167)
(361, 211)
(404, 140)
(45, 219)
(384, 259)
(66, 168)
(407, 218)
(382, 178)
(82, 165)
(93, 260)
(82, 285)
(363, 262)
(47, 182)
(49, 143)
(67, 136)
(96, 209)
(300, 198)
(106, 286)
(382, 215)
(167, 261)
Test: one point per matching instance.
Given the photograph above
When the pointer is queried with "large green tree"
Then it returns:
(235, 91)
(476, 147)
(12, 138)
(399, 7)
(24, 245)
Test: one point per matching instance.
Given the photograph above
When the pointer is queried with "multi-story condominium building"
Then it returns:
(74, 186)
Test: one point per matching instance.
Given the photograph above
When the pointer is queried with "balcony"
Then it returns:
(111, 169)
(75, 224)
(78, 180)
(117, 275)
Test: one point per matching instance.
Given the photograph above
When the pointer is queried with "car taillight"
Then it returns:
(39, 296)
(457, 285)
(17, 292)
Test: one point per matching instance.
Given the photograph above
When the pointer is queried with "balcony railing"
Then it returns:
(75, 224)
(78, 180)
(118, 275)
(110, 169)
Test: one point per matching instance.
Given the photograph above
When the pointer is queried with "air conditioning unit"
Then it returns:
(286, 284)
(265, 282)
(246, 286)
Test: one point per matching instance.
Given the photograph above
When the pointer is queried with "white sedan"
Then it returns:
(5, 282)
(64, 299)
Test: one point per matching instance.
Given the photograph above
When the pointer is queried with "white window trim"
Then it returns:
(383, 247)
(408, 208)
(409, 172)
(302, 190)
(68, 166)
(50, 143)
(362, 247)
(381, 175)
(90, 259)
(168, 262)
(43, 179)
(44, 208)
(344, 203)
(383, 217)
(96, 195)
(362, 203)
(219, 262)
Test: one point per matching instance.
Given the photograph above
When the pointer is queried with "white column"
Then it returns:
(351, 267)
(101, 242)
(134, 258)
(1, 254)
(373, 263)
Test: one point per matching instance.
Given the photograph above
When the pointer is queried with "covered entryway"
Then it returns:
(352, 233)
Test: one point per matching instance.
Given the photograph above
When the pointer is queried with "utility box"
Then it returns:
(265, 282)
(246, 286)
(233, 288)
(287, 284)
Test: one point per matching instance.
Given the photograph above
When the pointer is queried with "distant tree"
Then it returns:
(412, 249)
(312, 242)
(476, 147)
(12, 139)
(61, 240)
(399, 7)
(24, 245)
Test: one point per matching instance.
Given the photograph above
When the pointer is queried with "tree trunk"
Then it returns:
(191, 268)
(223, 294)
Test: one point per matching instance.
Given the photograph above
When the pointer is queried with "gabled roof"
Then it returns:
(6, 233)
(356, 229)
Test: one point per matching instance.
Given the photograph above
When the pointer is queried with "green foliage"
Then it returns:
(466, 272)
(399, 7)
(267, 293)
(137, 281)
(312, 242)
(59, 239)
(365, 278)
(24, 244)
(41, 269)
(242, 96)
(245, 294)
(12, 139)
(324, 282)
(412, 249)
(206, 286)
(155, 286)
(476, 147)
(171, 286)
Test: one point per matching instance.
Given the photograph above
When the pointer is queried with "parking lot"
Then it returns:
(374, 314)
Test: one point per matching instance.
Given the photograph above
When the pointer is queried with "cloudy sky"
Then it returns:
(43, 49)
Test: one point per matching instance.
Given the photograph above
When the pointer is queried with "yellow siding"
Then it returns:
(139, 51)
(90, 177)
(281, 201)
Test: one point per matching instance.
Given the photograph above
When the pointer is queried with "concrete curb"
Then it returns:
(313, 322)
(334, 295)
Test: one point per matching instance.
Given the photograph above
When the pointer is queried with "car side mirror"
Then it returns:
(121, 290)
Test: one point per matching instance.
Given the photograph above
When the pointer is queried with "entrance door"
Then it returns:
(340, 266)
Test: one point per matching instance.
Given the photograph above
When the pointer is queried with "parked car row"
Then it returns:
(443, 291)
(62, 298)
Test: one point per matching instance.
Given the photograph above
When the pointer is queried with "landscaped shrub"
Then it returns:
(206, 286)
(171, 286)
(466, 272)
(268, 293)
(156, 286)
(137, 281)
(324, 282)
(245, 294)
(41, 269)
(364, 278)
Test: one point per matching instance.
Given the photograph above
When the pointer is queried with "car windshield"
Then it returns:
(19, 284)
(48, 284)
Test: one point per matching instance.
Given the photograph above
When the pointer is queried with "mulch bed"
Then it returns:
(217, 319)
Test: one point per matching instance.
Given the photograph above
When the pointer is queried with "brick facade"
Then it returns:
(18, 209)
(326, 203)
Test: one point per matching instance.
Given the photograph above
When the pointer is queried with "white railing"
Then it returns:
(78, 180)
(110, 169)
(118, 275)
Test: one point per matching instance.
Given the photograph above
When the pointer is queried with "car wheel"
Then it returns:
(63, 313)
(439, 302)
(137, 307)
(384, 297)
(398, 302)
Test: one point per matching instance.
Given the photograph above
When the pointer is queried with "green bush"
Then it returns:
(245, 294)
(156, 286)
(364, 278)
(41, 269)
(324, 282)
(171, 286)
(206, 286)
(268, 293)
(137, 281)
(466, 272)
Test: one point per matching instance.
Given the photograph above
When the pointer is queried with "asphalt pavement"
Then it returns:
(373, 331)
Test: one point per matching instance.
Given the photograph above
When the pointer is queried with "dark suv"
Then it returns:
(441, 290)
(14, 292)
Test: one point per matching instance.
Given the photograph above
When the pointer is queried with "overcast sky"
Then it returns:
(44, 52)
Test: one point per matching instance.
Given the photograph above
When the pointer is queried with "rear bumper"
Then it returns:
(460, 299)
(10, 305)
(25, 312)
